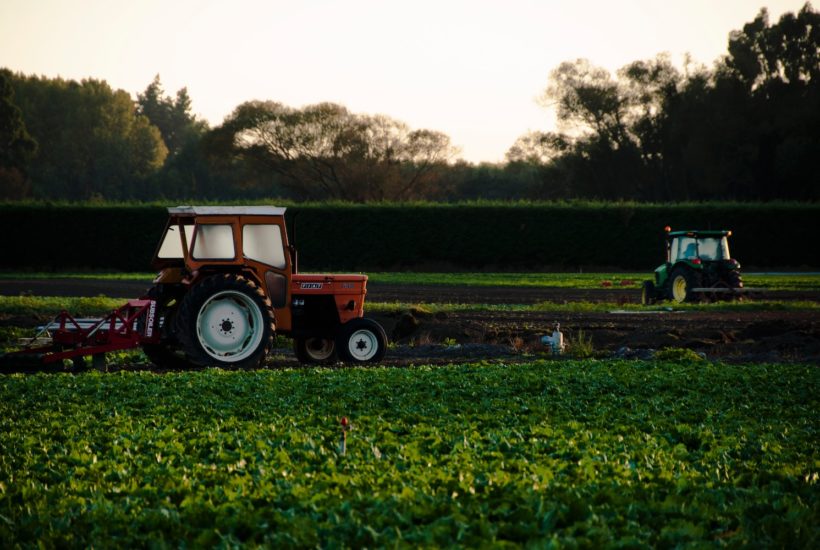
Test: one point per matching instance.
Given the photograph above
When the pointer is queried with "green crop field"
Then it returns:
(550, 453)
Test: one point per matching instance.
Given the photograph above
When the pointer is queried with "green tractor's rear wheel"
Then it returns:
(681, 283)
(734, 280)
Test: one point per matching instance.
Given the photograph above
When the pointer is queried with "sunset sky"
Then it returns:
(471, 69)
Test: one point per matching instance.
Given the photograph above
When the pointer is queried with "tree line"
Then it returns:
(745, 129)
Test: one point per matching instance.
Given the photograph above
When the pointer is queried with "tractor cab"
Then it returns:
(697, 247)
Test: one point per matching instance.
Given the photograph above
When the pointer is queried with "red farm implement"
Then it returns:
(65, 337)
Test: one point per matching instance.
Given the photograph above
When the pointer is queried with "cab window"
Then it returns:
(684, 248)
(171, 247)
(263, 243)
(214, 242)
(714, 248)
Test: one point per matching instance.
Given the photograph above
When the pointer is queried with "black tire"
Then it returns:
(361, 340)
(734, 280)
(681, 282)
(226, 321)
(315, 350)
(648, 295)
(167, 353)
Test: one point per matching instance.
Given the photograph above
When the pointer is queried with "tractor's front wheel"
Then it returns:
(226, 321)
(314, 350)
(361, 341)
(681, 283)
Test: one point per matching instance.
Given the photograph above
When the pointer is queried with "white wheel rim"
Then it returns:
(319, 349)
(679, 288)
(230, 326)
(363, 345)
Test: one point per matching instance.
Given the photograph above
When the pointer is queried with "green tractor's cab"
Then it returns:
(697, 263)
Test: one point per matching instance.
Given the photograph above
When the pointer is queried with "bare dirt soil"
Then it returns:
(423, 337)
(737, 335)
(740, 336)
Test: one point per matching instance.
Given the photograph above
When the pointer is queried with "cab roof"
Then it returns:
(226, 211)
(700, 233)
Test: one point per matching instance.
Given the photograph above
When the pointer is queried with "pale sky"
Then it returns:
(471, 69)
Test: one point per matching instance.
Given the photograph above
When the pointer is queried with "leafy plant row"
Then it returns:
(563, 236)
(586, 454)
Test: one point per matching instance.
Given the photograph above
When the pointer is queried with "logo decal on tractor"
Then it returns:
(310, 285)
(149, 326)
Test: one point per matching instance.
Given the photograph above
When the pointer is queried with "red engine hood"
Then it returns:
(321, 278)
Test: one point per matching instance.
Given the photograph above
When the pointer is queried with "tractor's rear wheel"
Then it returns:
(361, 341)
(734, 280)
(166, 353)
(315, 350)
(681, 283)
(226, 321)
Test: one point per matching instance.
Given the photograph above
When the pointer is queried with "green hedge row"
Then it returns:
(428, 237)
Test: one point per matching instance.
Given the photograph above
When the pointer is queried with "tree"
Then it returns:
(746, 130)
(588, 101)
(538, 148)
(185, 173)
(172, 116)
(653, 92)
(778, 68)
(17, 147)
(323, 151)
(536, 166)
(602, 157)
(92, 141)
(761, 55)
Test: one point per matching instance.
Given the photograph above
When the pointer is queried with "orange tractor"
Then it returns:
(227, 283)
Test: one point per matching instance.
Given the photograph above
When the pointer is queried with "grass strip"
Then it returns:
(593, 307)
(22, 275)
(51, 305)
(581, 281)
(585, 281)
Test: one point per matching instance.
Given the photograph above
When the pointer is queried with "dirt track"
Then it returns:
(739, 335)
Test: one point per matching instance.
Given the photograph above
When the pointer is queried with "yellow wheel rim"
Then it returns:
(679, 288)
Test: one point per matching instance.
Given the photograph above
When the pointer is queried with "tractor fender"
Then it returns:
(687, 264)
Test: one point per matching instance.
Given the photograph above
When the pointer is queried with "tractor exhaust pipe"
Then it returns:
(294, 254)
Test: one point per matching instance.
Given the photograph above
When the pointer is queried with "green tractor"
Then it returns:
(698, 265)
